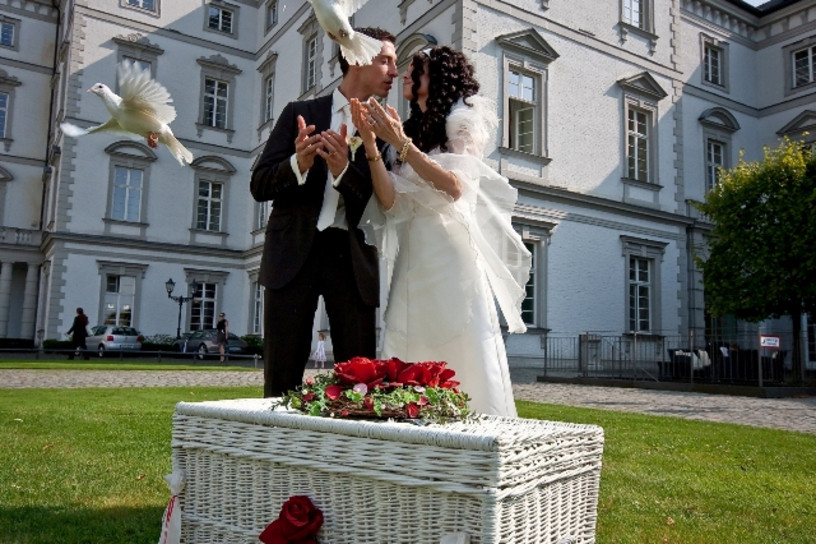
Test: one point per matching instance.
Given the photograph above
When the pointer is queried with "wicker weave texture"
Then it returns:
(500, 480)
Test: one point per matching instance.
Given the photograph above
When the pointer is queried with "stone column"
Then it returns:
(29, 302)
(5, 296)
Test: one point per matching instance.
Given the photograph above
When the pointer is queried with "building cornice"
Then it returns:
(37, 9)
(759, 26)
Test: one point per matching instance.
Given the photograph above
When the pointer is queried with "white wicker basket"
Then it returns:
(500, 480)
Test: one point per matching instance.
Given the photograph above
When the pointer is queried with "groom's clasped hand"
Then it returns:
(330, 145)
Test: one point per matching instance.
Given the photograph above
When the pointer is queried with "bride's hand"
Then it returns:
(358, 117)
(386, 124)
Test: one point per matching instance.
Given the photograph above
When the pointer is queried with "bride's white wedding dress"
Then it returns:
(450, 263)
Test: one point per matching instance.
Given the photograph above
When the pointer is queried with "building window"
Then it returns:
(144, 65)
(310, 63)
(804, 66)
(215, 103)
(120, 285)
(147, 5)
(640, 294)
(528, 306)
(137, 49)
(7, 33)
(208, 215)
(120, 294)
(202, 311)
(269, 95)
(634, 13)
(638, 135)
(4, 108)
(262, 215)
(712, 64)
(218, 79)
(526, 58)
(257, 308)
(641, 94)
(718, 127)
(636, 17)
(522, 105)
(535, 232)
(220, 19)
(126, 202)
(128, 183)
(715, 161)
(643, 259)
(271, 14)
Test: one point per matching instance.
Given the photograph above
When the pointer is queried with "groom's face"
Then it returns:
(378, 76)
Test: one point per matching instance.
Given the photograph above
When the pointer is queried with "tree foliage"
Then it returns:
(762, 250)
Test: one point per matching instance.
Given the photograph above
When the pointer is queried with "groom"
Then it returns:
(313, 246)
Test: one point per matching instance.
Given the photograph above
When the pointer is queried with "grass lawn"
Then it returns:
(87, 466)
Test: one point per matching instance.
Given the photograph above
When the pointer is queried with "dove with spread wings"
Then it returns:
(144, 109)
(333, 17)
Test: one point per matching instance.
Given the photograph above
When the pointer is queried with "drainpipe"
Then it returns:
(47, 167)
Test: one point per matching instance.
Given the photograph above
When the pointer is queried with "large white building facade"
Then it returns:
(615, 116)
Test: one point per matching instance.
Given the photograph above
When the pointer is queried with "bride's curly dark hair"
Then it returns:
(451, 78)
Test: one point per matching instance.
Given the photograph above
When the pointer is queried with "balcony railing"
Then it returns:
(20, 237)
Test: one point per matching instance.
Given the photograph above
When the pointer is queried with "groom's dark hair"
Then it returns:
(372, 31)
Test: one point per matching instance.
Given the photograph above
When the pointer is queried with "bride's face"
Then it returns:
(424, 83)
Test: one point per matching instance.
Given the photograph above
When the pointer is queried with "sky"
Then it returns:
(755, 2)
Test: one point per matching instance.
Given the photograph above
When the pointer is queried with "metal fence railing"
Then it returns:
(665, 358)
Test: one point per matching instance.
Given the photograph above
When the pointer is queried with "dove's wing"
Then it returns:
(111, 125)
(141, 92)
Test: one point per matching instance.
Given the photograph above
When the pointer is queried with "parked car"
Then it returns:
(204, 343)
(114, 338)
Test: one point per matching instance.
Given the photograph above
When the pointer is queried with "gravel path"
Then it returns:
(792, 414)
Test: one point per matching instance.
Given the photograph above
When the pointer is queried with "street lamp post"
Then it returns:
(181, 299)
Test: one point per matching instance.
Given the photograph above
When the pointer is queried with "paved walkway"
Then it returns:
(792, 414)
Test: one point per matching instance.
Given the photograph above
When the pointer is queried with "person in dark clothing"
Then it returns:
(79, 332)
(313, 245)
(222, 328)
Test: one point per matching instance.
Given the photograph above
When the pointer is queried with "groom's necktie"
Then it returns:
(331, 196)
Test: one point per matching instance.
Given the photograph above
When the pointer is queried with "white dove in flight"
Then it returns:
(333, 16)
(143, 109)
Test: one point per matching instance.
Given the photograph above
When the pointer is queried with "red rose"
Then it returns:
(368, 403)
(412, 410)
(308, 397)
(360, 370)
(334, 391)
(298, 523)
(393, 367)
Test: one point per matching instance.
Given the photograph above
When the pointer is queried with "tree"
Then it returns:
(762, 249)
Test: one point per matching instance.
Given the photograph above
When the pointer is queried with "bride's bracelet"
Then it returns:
(404, 151)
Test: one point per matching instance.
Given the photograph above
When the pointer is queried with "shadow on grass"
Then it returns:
(66, 525)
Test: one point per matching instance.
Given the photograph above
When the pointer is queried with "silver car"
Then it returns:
(114, 338)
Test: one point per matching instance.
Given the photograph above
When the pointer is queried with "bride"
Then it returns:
(442, 221)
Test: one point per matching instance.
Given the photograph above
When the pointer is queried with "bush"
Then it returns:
(254, 344)
(158, 342)
(54, 345)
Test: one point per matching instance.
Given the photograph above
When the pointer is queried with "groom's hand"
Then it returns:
(306, 144)
(334, 150)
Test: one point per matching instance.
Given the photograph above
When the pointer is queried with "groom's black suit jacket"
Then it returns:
(291, 229)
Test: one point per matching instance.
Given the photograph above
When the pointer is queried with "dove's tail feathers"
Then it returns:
(362, 49)
(72, 130)
(181, 153)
